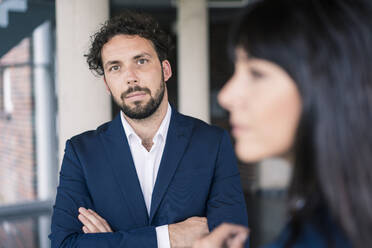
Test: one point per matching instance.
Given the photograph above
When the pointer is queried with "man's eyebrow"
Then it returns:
(111, 62)
(142, 55)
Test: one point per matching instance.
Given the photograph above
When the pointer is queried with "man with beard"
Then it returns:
(151, 177)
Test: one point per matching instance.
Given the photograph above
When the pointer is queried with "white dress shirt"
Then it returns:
(147, 166)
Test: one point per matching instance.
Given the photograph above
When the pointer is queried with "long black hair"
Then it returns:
(326, 47)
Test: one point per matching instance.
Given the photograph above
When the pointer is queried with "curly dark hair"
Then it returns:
(128, 23)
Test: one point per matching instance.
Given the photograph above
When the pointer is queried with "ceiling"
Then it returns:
(173, 3)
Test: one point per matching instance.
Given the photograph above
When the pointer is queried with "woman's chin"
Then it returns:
(249, 155)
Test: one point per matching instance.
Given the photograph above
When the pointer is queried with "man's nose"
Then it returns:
(131, 77)
(132, 81)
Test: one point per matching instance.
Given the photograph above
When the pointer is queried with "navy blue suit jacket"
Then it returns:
(198, 176)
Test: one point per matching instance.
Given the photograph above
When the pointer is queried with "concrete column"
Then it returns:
(193, 54)
(45, 121)
(83, 102)
(45, 109)
(44, 230)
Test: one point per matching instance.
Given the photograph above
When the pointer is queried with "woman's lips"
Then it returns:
(237, 130)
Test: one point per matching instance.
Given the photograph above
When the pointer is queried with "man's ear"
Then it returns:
(167, 70)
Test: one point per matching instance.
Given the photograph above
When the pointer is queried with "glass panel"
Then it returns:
(19, 75)
(25, 232)
(17, 159)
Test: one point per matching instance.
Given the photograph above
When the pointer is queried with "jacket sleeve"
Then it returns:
(72, 193)
(226, 201)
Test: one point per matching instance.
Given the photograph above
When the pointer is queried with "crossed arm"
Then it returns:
(182, 234)
(191, 232)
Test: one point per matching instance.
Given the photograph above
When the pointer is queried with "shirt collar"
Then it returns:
(161, 133)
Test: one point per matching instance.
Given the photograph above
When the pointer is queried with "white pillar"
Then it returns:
(45, 113)
(83, 102)
(193, 55)
(45, 120)
(44, 230)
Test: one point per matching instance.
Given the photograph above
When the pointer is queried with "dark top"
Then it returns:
(321, 231)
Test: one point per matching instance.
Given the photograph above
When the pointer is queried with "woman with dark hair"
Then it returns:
(302, 89)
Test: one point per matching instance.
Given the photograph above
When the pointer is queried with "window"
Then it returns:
(7, 94)
(1, 92)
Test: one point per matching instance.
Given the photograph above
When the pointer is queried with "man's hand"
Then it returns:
(185, 233)
(92, 222)
(226, 235)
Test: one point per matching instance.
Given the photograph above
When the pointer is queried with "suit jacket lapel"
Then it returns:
(122, 165)
(178, 136)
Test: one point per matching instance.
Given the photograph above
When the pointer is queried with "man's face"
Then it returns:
(134, 75)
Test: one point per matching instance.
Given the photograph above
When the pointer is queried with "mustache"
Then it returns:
(134, 89)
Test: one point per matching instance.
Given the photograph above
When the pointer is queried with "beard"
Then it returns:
(142, 110)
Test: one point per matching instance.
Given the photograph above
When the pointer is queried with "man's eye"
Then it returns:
(142, 61)
(114, 68)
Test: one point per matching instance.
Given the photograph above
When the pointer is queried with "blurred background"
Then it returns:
(47, 95)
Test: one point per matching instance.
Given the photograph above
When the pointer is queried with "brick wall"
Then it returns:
(17, 159)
